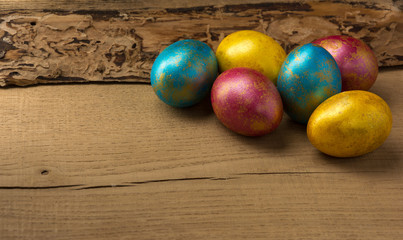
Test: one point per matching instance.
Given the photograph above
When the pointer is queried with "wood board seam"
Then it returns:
(136, 183)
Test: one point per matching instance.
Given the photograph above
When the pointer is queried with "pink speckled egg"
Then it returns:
(357, 63)
(246, 102)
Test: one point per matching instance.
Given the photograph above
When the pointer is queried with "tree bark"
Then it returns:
(120, 45)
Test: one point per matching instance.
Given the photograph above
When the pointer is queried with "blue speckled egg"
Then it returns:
(308, 76)
(184, 73)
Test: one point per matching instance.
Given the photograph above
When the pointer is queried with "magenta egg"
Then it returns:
(246, 102)
(357, 62)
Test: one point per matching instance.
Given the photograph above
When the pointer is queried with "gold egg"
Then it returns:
(350, 124)
(253, 50)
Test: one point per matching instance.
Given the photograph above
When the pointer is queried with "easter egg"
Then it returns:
(184, 72)
(251, 49)
(246, 102)
(308, 76)
(350, 124)
(357, 62)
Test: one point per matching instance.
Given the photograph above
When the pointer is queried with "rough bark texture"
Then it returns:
(58, 46)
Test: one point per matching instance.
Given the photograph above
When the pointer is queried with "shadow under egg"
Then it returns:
(280, 141)
(198, 112)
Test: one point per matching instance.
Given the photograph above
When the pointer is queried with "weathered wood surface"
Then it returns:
(89, 162)
(118, 42)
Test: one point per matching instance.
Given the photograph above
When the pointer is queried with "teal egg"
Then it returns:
(184, 73)
(308, 76)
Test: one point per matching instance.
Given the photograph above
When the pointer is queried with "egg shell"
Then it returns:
(350, 124)
(246, 102)
(308, 76)
(184, 72)
(251, 49)
(357, 62)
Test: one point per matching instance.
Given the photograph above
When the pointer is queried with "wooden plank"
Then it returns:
(100, 135)
(90, 162)
(93, 43)
(363, 206)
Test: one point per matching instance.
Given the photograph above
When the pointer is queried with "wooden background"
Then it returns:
(111, 161)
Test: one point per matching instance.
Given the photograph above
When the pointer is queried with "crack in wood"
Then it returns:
(38, 188)
(128, 184)
(181, 179)
(136, 183)
(106, 186)
(131, 184)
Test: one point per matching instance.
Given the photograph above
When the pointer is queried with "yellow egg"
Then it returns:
(350, 124)
(251, 49)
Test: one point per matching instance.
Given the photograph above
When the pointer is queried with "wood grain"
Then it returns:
(119, 41)
(89, 162)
